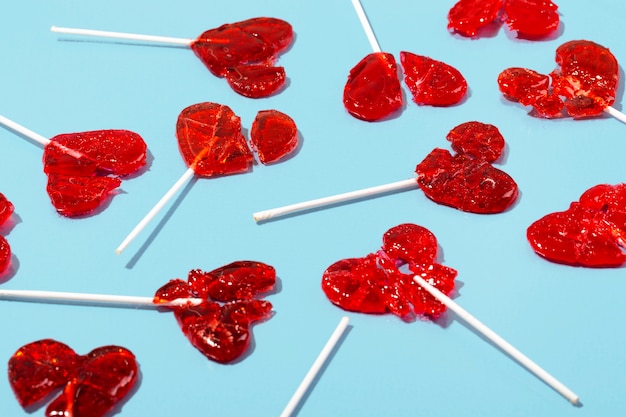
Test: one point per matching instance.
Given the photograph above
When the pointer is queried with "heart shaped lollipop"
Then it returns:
(220, 325)
(591, 232)
(91, 384)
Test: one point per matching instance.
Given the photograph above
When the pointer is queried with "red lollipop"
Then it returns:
(6, 209)
(466, 181)
(242, 52)
(590, 233)
(212, 144)
(373, 90)
(84, 168)
(91, 384)
(584, 85)
(529, 18)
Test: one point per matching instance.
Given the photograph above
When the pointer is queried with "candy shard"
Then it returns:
(373, 90)
(432, 82)
(274, 135)
(531, 18)
(590, 233)
(211, 142)
(74, 196)
(255, 81)
(374, 284)
(467, 17)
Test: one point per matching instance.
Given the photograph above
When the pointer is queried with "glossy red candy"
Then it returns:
(84, 168)
(211, 142)
(220, 327)
(374, 284)
(591, 232)
(244, 52)
(467, 17)
(91, 384)
(432, 82)
(273, 135)
(587, 78)
(530, 88)
(373, 90)
(6, 208)
(531, 18)
(467, 181)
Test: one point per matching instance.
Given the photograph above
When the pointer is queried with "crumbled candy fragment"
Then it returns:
(220, 327)
(530, 88)
(210, 140)
(467, 17)
(467, 181)
(273, 135)
(531, 18)
(591, 232)
(84, 168)
(374, 284)
(432, 82)
(91, 384)
(373, 90)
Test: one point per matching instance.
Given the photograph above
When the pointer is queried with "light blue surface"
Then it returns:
(569, 320)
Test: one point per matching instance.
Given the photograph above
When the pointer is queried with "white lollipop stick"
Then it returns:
(84, 298)
(24, 131)
(500, 342)
(121, 35)
(155, 210)
(315, 368)
(339, 198)
(369, 32)
(616, 114)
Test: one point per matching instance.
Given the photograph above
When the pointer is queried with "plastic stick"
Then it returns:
(24, 131)
(339, 198)
(154, 211)
(85, 298)
(369, 32)
(122, 35)
(616, 114)
(500, 342)
(315, 368)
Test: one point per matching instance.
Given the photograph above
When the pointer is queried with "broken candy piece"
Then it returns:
(255, 81)
(591, 232)
(210, 140)
(91, 384)
(432, 82)
(220, 327)
(374, 284)
(466, 17)
(531, 18)
(373, 90)
(273, 135)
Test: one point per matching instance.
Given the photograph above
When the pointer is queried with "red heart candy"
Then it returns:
(210, 140)
(91, 384)
(374, 284)
(373, 91)
(222, 332)
(252, 41)
(586, 80)
(531, 18)
(83, 168)
(432, 82)
(467, 181)
(273, 135)
(466, 17)
(591, 232)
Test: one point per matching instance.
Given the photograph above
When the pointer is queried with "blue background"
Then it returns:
(569, 320)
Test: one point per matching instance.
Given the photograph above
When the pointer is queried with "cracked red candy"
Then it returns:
(211, 142)
(432, 82)
(587, 78)
(91, 385)
(467, 17)
(590, 233)
(239, 51)
(584, 85)
(220, 326)
(531, 18)
(373, 90)
(274, 135)
(255, 81)
(6, 210)
(467, 181)
(84, 168)
(375, 284)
